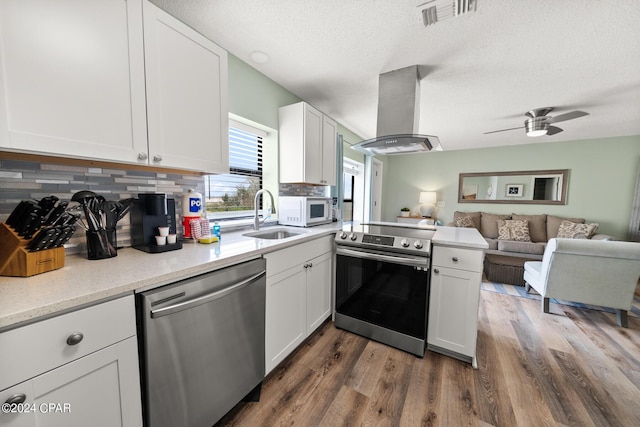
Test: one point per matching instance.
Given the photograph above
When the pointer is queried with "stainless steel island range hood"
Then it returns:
(398, 116)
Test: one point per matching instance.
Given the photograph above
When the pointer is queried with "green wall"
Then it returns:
(254, 96)
(602, 176)
(348, 139)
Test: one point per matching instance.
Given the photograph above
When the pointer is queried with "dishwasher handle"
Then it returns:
(164, 311)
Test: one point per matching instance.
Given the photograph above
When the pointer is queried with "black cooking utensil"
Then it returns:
(111, 210)
(82, 195)
(126, 205)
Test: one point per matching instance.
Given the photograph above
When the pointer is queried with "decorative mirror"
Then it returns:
(545, 187)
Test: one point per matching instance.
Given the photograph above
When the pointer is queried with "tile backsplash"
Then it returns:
(302, 190)
(23, 180)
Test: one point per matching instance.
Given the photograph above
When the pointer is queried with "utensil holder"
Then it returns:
(101, 244)
(16, 261)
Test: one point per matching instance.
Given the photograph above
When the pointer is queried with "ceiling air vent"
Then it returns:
(439, 10)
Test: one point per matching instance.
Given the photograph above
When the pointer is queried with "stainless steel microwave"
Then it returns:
(302, 211)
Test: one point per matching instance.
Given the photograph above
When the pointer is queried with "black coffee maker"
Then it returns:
(150, 211)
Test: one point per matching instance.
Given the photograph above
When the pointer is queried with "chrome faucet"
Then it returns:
(256, 220)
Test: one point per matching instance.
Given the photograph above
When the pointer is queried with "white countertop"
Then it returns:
(82, 282)
(460, 237)
(444, 236)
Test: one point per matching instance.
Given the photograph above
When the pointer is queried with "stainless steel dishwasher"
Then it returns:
(202, 345)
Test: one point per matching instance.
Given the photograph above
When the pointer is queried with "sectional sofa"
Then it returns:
(515, 239)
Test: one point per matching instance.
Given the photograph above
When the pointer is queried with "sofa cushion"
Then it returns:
(553, 224)
(489, 225)
(537, 226)
(536, 248)
(474, 215)
(493, 244)
(513, 230)
(573, 230)
(465, 222)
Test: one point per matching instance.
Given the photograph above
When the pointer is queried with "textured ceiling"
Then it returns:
(481, 71)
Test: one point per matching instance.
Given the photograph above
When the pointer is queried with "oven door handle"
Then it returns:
(416, 262)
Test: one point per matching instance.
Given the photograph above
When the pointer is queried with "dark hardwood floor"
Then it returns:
(572, 367)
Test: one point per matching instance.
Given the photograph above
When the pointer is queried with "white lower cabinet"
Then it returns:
(95, 380)
(298, 296)
(456, 275)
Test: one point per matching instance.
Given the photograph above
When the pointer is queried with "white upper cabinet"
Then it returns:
(186, 95)
(72, 78)
(329, 141)
(307, 145)
(81, 79)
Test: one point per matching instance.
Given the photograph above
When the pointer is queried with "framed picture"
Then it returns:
(514, 190)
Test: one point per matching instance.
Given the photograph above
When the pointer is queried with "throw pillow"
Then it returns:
(465, 221)
(475, 216)
(517, 230)
(553, 224)
(537, 226)
(573, 230)
(489, 226)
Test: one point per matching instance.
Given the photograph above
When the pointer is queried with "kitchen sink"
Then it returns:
(274, 234)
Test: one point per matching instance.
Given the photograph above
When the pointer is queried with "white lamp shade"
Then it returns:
(428, 197)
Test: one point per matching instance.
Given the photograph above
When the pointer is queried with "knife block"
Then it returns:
(16, 261)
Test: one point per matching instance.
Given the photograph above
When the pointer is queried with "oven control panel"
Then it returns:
(400, 244)
(378, 240)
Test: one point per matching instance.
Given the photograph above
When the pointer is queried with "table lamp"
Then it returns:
(427, 203)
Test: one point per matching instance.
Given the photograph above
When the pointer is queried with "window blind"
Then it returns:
(230, 194)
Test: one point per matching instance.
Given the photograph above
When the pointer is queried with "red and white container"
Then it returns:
(192, 208)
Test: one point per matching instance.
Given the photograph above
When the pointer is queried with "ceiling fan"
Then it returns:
(539, 122)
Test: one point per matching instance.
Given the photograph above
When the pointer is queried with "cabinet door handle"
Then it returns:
(75, 338)
(157, 158)
(454, 259)
(16, 399)
(142, 156)
(306, 266)
(310, 264)
(436, 271)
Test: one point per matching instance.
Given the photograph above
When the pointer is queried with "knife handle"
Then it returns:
(17, 212)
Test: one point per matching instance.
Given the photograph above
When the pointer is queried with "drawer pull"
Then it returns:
(454, 259)
(16, 399)
(75, 338)
(436, 271)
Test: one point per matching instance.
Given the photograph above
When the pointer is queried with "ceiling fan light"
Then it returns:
(536, 126)
(534, 133)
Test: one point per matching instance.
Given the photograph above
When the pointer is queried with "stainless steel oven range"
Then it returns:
(382, 284)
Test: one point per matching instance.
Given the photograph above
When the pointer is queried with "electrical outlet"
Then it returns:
(440, 204)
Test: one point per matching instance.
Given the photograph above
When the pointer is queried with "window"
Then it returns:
(230, 196)
(349, 180)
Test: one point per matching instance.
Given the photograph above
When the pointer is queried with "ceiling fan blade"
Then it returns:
(552, 130)
(567, 116)
(503, 130)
